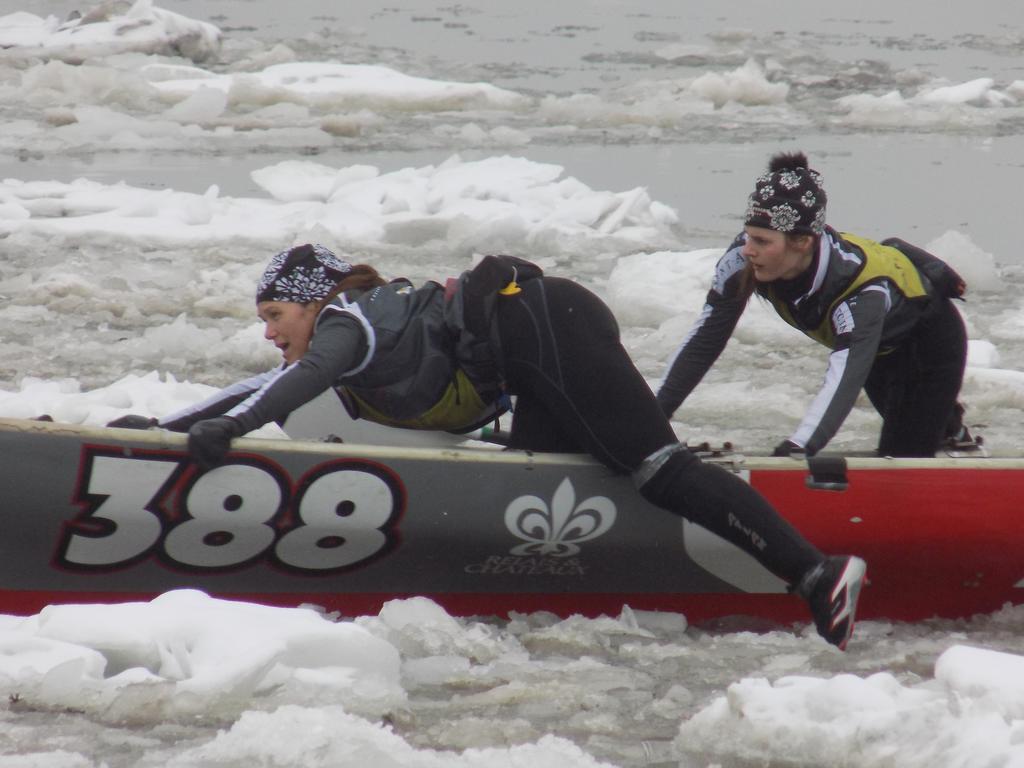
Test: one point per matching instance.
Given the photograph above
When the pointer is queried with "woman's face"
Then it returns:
(289, 325)
(772, 255)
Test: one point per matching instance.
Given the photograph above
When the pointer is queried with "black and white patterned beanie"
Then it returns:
(789, 198)
(302, 274)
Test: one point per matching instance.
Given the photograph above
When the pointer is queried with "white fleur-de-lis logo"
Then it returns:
(557, 530)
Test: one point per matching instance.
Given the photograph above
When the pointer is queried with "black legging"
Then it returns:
(914, 388)
(577, 390)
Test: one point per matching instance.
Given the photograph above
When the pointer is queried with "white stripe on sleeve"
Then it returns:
(812, 419)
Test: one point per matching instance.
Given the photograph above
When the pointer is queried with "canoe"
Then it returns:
(107, 515)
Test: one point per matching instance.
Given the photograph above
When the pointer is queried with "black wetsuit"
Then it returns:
(578, 390)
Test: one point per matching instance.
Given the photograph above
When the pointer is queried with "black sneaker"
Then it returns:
(832, 589)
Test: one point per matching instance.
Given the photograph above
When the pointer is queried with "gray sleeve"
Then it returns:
(338, 346)
(709, 334)
(217, 404)
(857, 325)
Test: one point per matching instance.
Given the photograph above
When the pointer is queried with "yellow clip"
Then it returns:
(513, 287)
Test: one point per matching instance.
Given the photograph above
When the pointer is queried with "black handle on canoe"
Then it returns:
(827, 473)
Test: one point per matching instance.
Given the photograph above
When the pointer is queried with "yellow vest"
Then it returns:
(460, 408)
(880, 262)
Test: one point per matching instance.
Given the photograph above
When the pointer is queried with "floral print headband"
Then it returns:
(302, 274)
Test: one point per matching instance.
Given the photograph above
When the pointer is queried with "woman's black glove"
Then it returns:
(133, 421)
(210, 440)
(787, 448)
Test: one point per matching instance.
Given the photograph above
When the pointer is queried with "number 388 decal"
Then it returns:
(343, 513)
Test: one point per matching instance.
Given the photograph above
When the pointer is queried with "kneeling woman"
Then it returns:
(884, 310)
(447, 357)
